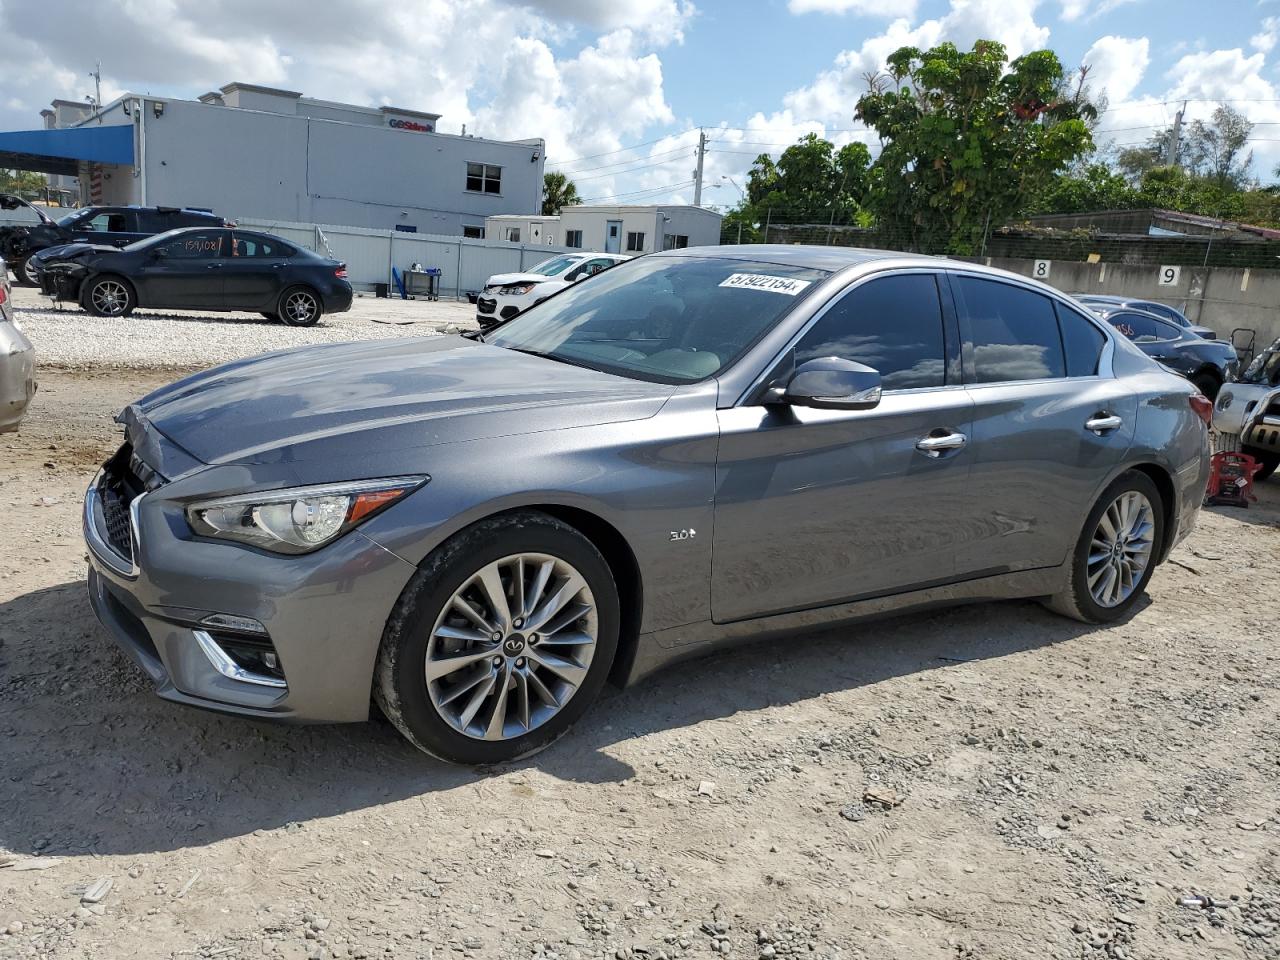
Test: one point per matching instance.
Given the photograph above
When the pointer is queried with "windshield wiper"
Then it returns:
(556, 357)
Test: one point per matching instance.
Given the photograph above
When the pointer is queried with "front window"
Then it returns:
(200, 245)
(662, 319)
(635, 242)
(484, 178)
(555, 266)
(106, 223)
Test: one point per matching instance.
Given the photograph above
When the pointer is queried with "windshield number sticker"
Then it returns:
(761, 281)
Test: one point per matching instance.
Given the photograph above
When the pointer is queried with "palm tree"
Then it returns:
(557, 191)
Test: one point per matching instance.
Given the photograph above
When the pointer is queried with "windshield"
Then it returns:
(663, 319)
(1265, 367)
(152, 241)
(554, 266)
(71, 219)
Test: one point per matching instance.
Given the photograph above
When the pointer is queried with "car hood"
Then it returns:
(347, 400)
(502, 279)
(65, 251)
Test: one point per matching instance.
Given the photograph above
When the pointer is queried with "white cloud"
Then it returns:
(832, 95)
(661, 21)
(1264, 40)
(1117, 65)
(865, 7)
(1076, 9)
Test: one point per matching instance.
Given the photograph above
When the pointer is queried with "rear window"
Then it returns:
(663, 319)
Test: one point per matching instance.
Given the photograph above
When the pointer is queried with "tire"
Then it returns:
(273, 317)
(24, 278)
(291, 307)
(1078, 600)
(108, 296)
(538, 704)
(1269, 459)
(1208, 384)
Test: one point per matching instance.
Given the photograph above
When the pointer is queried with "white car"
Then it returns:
(507, 294)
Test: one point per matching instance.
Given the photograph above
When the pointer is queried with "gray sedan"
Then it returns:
(17, 361)
(697, 448)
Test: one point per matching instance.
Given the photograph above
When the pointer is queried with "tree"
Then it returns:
(558, 191)
(1096, 187)
(965, 143)
(1217, 148)
(811, 182)
(22, 183)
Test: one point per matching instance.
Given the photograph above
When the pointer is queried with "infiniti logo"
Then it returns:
(514, 645)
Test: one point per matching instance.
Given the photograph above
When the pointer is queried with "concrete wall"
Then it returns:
(244, 163)
(1222, 298)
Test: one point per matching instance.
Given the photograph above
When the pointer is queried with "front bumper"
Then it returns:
(323, 613)
(17, 375)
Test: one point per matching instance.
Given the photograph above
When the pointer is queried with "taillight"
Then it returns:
(1203, 407)
(4, 294)
(341, 272)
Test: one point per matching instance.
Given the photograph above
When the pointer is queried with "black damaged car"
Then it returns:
(195, 269)
(1206, 363)
(26, 246)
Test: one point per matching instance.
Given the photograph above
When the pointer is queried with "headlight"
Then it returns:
(299, 519)
(1224, 399)
(517, 289)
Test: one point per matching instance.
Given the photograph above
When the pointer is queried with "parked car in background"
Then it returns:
(1248, 412)
(506, 295)
(1161, 310)
(481, 532)
(17, 360)
(203, 269)
(100, 226)
(1206, 363)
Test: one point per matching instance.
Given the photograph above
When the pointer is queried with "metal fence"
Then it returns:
(464, 264)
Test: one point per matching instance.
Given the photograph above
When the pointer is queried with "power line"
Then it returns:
(620, 196)
(670, 154)
(611, 153)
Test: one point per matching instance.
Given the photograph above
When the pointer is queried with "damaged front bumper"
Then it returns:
(62, 280)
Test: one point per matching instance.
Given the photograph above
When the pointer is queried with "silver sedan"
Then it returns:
(695, 449)
(17, 361)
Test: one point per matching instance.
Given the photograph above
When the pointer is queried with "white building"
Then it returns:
(618, 229)
(258, 152)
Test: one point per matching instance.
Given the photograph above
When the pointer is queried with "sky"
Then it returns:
(619, 88)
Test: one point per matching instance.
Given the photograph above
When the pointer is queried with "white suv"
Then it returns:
(507, 294)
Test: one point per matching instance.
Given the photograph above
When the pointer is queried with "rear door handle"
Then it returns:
(935, 446)
(1103, 423)
(215, 266)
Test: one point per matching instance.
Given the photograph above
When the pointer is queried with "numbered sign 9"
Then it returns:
(1169, 276)
(1041, 271)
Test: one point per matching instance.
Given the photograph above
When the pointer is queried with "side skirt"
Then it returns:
(660, 649)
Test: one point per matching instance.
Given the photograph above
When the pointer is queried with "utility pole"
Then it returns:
(97, 86)
(1171, 152)
(697, 173)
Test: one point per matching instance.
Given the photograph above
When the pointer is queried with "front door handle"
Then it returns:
(215, 266)
(1103, 423)
(935, 446)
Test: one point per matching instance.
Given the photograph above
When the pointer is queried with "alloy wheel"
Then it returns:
(512, 646)
(300, 308)
(109, 297)
(29, 272)
(1121, 549)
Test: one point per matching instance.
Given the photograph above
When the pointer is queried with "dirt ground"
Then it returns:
(1061, 786)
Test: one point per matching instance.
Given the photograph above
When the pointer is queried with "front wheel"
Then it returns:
(1207, 384)
(1115, 555)
(1268, 461)
(300, 307)
(108, 297)
(25, 271)
(500, 642)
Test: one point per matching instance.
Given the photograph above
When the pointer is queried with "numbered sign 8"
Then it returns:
(1041, 271)
(1169, 276)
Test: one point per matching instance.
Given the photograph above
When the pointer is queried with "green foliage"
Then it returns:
(1096, 187)
(22, 183)
(558, 191)
(967, 143)
(812, 182)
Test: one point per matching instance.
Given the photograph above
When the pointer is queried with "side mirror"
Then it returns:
(574, 275)
(159, 253)
(830, 383)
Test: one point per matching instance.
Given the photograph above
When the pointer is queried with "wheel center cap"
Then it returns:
(513, 646)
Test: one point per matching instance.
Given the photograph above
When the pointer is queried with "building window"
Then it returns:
(573, 238)
(473, 233)
(674, 241)
(635, 242)
(513, 234)
(484, 178)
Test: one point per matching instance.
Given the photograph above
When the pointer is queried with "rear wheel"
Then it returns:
(1269, 460)
(1115, 555)
(108, 296)
(500, 642)
(1207, 384)
(300, 307)
(25, 271)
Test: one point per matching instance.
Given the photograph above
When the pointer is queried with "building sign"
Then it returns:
(411, 125)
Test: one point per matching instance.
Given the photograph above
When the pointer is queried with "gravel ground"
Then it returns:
(983, 783)
(69, 338)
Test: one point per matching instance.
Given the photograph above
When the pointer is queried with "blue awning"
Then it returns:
(58, 151)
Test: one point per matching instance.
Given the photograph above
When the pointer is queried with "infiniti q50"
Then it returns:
(696, 448)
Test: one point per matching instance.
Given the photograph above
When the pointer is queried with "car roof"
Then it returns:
(801, 255)
(1109, 310)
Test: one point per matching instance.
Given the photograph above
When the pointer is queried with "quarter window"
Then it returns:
(893, 324)
(484, 178)
(1009, 333)
(1081, 341)
(635, 242)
